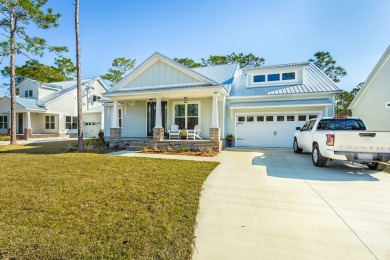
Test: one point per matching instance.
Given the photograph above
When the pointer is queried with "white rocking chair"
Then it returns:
(193, 134)
(174, 132)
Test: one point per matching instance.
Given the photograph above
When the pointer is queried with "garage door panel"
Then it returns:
(266, 133)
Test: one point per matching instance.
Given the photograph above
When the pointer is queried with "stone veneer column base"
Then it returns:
(115, 136)
(27, 133)
(215, 138)
(158, 134)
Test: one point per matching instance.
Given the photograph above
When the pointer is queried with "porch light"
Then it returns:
(185, 99)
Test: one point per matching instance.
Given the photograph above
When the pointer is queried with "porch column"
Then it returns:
(158, 130)
(115, 131)
(28, 130)
(114, 122)
(214, 118)
(215, 142)
(158, 123)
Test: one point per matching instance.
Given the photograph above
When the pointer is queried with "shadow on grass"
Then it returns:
(57, 147)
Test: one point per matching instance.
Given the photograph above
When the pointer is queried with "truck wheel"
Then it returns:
(296, 147)
(318, 159)
(376, 166)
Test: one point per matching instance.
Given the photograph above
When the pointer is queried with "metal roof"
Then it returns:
(313, 81)
(223, 74)
(303, 102)
(139, 90)
(276, 66)
(28, 103)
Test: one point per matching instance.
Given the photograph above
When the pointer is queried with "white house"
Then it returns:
(259, 106)
(50, 109)
(372, 103)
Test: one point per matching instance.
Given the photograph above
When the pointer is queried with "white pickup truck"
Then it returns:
(343, 138)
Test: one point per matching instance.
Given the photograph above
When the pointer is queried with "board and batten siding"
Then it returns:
(161, 74)
(371, 106)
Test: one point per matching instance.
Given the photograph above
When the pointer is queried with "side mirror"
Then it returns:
(298, 128)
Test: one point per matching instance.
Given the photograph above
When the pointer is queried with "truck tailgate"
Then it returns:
(363, 145)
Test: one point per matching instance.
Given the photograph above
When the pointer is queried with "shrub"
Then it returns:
(70, 148)
(184, 149)
(5, 137)
(89, 146)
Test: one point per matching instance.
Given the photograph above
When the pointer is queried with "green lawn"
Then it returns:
(92, 206)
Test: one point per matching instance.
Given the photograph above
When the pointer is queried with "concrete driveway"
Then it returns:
(274, 204)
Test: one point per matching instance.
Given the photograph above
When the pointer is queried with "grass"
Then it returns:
(94, 206)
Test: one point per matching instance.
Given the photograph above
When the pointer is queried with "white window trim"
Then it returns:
(254, 84)
(50, 122)
(4, 121)
(185, 112)
(71, 122)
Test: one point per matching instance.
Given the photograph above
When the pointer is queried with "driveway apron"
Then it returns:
(274, 204)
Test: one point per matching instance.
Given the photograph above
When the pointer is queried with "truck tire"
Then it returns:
(376, 166)
(317, 158)
(296, 147)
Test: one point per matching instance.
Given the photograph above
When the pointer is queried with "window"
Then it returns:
(341, 124)
(28, 93)
(273, 77)
(288, 76)
(95, 98)
(249, 118)
(3, 122)
(280, 118)
(71, 122)
(259, 78)
(120, 118)
(312, 116)
(50, 122)
(241, 119)
(187, 115)
(305, 127)
(290, 118)
(260, 118)
(269, 118)
(302, 118)
(17, 92)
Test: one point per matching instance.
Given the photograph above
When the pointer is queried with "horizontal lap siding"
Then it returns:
(372, 105)
(107, 122)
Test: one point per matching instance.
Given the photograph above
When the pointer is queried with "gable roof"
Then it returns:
(27, 103)
(313, 81)
(223, 74)
(65, 87)
(120, 86)
(382, 61)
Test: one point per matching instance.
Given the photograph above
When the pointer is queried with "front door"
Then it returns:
(20, 123)
(152, 116)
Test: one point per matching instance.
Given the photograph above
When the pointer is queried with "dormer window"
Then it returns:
(28, 93)
(95, 98)
(273, 77)
(288, 76)
(259, 78)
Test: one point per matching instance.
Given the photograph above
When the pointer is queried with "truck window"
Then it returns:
(305, 127)
(312, 122)
(341, 124)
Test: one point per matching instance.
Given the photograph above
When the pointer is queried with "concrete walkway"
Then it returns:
(274, 204)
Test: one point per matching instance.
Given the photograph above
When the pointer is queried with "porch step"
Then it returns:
(134, 147)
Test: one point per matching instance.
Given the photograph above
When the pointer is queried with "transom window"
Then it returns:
(259, 78)
(50, 122)
(3, 122)
(71, 122)
(28, 93)
(273, 77)
(187, 115)
(288, 76)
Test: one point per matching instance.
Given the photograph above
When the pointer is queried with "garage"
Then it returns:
(268, 130)
(91, 129)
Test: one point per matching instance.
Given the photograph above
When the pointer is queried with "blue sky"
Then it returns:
(356, 33)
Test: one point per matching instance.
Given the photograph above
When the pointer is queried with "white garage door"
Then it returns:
(268, 130)
(91, 129)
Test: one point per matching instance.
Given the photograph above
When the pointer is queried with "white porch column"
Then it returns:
(114, 122)
(28, 120)
(214, 118)
(158, 121)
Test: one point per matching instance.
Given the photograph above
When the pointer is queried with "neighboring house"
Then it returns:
(50, 109)
(259, 106)
(372, 103)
